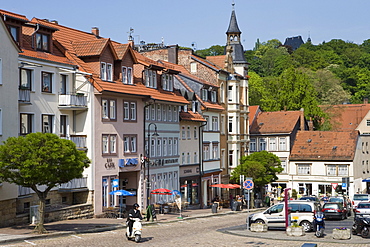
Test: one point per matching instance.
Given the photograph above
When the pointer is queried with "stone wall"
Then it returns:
(7, 212)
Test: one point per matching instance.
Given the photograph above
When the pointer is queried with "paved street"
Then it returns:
(222, 230)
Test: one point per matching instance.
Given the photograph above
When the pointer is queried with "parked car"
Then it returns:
(344, 201)
(334, 210)
(309, 198)
(362, 209)
(300, 210)
(357, 198)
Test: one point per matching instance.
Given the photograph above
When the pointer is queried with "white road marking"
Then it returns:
(28, 242)
(76, 236)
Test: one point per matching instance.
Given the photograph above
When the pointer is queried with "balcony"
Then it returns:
(79, 140)
(75, 185)
(24, 95)
(73, 101)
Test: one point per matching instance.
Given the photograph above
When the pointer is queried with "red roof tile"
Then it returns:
(191, 116)
(346, 117)
(324, 145)
(218, 60)
(275, 122)
(13, 15)
(89, 48)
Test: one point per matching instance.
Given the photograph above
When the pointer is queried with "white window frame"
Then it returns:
(103, 71)
(124, 75)
(282, 144)
(230, 93)
(272, 144)
(214, 96)
(129, 76)
(193, 67)
(253, 144)
(109, 72)
(170, 146)
(262, 144)
(215, 124)
(303, 169)
(50, 123)
(204, 94)
(215, 151)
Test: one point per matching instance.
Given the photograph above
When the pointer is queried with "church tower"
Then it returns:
(234, 45)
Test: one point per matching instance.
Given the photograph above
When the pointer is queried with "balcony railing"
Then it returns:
(79, 140)
(24, 95)
(77, 183)
(73, 100)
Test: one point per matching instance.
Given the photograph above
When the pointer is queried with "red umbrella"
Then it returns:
(235, 186)
(224, 186)
(161, 191)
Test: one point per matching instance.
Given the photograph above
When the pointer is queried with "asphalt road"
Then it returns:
(208, 231)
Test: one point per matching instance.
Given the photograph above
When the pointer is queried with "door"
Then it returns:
(276, 216)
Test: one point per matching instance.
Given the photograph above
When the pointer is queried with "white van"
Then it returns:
(301, 211)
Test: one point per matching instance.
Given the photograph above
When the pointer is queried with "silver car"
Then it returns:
(363, 209)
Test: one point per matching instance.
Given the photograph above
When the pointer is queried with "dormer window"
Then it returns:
(126, 75)
(167, 82)
(42, 42)
(204, 94)
(150, 78)
(106, 71)
(213, 96)
(14, 31)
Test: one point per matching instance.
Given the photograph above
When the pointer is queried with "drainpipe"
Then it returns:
(201, 172)
(33, 40)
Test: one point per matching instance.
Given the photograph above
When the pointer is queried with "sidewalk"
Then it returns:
(58, 228)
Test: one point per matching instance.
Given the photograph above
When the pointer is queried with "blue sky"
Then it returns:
(204, 22)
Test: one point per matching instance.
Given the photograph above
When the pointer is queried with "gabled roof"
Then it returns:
(275, 122)
(346, 117)
(92, 47)
(324, 145)
(191, 116)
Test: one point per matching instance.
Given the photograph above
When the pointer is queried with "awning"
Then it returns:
(366, 180)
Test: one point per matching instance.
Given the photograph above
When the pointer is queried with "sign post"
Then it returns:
(248, 185)
(287, 215)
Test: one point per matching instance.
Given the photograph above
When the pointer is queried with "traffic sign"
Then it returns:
(248, 184)
(344, 185)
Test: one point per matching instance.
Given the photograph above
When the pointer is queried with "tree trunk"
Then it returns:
(42, 198)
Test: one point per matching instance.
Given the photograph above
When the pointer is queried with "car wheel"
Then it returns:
(307, 226)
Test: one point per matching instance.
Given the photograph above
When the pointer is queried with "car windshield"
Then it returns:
(331, 205)
(335, 199)
(360, 197)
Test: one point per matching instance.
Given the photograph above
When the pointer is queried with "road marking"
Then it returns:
(28, 242)
(76, 236)
(160, 224)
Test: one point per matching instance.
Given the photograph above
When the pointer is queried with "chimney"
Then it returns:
(95, 31)
(302, 120)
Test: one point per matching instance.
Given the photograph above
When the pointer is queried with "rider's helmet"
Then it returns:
(136, 205)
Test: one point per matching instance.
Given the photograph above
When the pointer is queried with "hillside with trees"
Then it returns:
(334, 72)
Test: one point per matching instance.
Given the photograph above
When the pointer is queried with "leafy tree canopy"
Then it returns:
(40, 161)
(261, 166)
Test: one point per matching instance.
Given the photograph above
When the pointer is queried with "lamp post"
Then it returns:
(148, 160)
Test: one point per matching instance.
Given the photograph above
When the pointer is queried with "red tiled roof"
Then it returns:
(17, 16)
(324, 145)
(253, 111)
(346, 117)
(275, 122)
(191, 116)
(89, 48)
(218, 60)
(206, 62)
(46, 56)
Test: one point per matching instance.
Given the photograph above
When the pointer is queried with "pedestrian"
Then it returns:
(267, 200)
(133, 213)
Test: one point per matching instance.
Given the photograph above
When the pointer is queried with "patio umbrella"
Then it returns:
(161, 191)
(233, 186)
(121, 193)
(224, 186)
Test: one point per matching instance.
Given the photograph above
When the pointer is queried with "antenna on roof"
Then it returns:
(130, 33)
(194, 46)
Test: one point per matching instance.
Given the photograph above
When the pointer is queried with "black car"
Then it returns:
(334, 210)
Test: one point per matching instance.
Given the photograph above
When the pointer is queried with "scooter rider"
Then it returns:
(133, 213)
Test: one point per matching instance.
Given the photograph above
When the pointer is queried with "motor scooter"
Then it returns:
(361, 225)
(136, 230)
(319, 224)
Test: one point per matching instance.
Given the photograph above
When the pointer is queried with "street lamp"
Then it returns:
(148, 160)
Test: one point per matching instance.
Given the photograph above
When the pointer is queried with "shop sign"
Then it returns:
(109, 164)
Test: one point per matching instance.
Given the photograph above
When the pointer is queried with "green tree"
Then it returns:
(261, 166)
(214, 50)
(40, 160)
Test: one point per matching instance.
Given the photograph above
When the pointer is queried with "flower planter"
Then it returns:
(295, 231)
(258, 227)
(341, 233)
